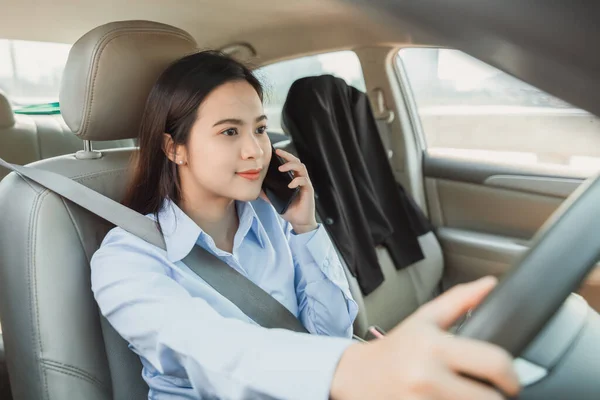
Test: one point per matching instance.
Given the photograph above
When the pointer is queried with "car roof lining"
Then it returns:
(547, 44)
(276, 29)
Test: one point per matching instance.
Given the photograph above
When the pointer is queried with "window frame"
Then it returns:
(412, 109)
(272, 63)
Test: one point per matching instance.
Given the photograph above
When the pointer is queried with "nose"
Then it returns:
(251, 148)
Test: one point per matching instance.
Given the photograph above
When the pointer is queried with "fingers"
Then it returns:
(296, 166)
(455, 387)
(472, 358)
(287, 156)
(299, 182)
(293, 164)
(481, 360)
(448, 307)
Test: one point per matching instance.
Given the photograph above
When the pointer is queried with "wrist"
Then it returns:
(345, 373)
(304, 228)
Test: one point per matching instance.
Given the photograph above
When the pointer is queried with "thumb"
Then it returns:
(450, 306)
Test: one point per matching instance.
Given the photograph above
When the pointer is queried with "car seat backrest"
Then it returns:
(28, 138)
(57, 345)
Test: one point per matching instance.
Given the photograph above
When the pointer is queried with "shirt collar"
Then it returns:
(250, 222)
(179, 230)
(181, 233)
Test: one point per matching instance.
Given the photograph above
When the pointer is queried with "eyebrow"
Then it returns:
(238, 121)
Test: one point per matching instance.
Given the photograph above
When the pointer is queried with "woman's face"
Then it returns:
(228, 151)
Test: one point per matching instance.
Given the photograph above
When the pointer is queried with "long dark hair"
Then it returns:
(172, 108)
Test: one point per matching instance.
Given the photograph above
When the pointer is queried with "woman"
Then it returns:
(203, 156)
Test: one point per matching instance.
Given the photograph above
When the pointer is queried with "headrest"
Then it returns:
(7, 117)
(110, 72)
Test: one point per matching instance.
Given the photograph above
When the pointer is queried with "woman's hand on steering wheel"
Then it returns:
(419, 360)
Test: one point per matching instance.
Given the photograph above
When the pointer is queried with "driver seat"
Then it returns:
(57, 344)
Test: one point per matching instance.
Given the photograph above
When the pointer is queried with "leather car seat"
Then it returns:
(57, 345)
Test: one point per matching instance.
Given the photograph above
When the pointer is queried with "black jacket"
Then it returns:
(336, 137)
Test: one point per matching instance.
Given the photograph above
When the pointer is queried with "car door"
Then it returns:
(499, 158)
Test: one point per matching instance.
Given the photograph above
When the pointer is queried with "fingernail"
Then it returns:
(488, 280)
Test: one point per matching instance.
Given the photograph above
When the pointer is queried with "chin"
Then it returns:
(243, 190)
(247, 195)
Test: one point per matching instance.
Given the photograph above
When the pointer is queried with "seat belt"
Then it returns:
(252, 300)
(383, 128)
(383, 118)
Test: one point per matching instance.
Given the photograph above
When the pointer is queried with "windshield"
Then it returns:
(30, 72)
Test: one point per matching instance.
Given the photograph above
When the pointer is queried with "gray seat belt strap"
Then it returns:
(115, 213)
(245, 294)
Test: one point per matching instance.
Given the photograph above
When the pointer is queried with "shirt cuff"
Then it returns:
(294, 368)
(316, 364)
(315, 247)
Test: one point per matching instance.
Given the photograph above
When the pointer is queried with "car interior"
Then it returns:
(488, 159)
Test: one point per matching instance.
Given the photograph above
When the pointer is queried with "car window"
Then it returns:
(30, 72)
(277, 78)
(471, 110)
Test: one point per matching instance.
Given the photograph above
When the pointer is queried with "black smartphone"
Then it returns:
(276, 184)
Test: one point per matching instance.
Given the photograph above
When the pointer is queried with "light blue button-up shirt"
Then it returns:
(196, 344)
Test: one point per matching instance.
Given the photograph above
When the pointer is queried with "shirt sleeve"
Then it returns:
(222, 357)
(325, 303)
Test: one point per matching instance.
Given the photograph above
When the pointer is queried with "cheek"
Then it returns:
(267, 152)
(211, 159)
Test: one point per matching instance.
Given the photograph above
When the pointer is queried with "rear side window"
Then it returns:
(473, 111)
(30, 72)
(277, 78)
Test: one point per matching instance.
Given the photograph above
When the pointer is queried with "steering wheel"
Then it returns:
(564, 251)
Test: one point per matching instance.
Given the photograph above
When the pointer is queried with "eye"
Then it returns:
(230, 132)
(262, 129)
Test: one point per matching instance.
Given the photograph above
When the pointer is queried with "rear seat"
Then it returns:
(28, 138)
(402, 291)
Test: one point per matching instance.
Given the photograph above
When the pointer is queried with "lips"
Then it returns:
(251, 174)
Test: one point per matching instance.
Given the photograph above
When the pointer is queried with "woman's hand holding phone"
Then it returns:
(301, 213)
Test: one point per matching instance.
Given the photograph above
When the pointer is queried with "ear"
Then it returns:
(174, 152)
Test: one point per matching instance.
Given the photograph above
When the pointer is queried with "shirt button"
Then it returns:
(337, 274)
(326, 263)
